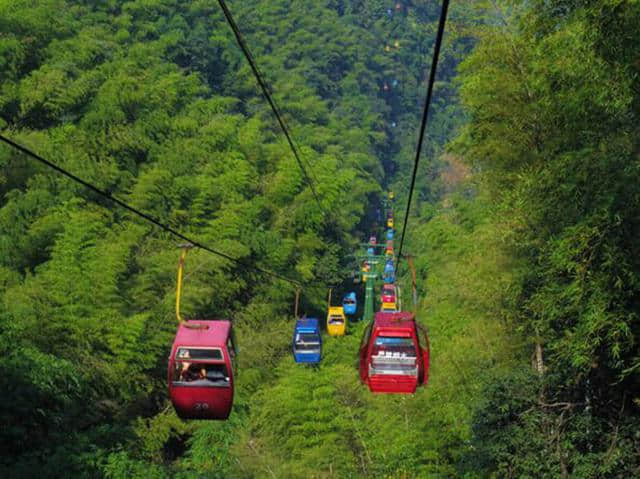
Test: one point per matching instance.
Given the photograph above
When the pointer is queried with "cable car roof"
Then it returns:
(213, 333)
(400, 319)
(310, 324)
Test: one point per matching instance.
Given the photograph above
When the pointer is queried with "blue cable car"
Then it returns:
(307, 341)
(370, 251)
(388, 268)
(389, 278)
(389, 234)
(349, 303)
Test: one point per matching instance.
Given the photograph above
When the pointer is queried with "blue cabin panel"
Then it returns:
(307, 341)
(350, 304)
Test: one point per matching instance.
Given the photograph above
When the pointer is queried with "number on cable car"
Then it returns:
(201, 369)
(394, 354)
(307, 341)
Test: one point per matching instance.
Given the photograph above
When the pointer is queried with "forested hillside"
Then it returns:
(522, 228)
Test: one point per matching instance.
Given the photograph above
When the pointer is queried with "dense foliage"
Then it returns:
(523, 233)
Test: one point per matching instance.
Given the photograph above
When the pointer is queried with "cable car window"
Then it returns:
(393, 355)
(348, 301)
(199, 353)
(394, 347)
(186, 373)
(307, 342)
(336, 320)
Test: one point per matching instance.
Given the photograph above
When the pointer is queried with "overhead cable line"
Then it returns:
(272, 102)
(142, 215)
(425, 114)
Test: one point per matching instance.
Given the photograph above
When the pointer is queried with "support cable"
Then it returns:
(142, 215)
(425, 114)
(272, 102)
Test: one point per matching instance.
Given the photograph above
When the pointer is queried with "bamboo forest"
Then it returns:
(320, 239)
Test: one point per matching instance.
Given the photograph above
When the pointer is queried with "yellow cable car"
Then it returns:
(396, 44)
(336, 321)
(391, 195)
(390, 223)
(388, 308)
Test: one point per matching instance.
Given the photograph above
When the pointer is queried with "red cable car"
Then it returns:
(394, 354)
(201, 368)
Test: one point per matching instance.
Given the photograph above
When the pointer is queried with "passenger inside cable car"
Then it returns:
(200, 374)
(201, 368)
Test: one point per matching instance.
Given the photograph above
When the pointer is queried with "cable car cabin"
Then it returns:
(388, 268)
(201, 368)
(388, 293)
(336, 321)
(391, 195)
(389, 222)
(389, 278)
(365, 269)
(373, 240)
(349, 303)
(390, 244)
(389, 235)
(389, 307)
(394, 354)
(307, 341)
(388, 252)
(370, 251)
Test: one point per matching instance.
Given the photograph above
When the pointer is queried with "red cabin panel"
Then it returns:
(393, 359)
(201, 367)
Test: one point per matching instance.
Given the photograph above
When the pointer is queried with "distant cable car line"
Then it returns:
(425, 113)
(145, 216)
(272, 103)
